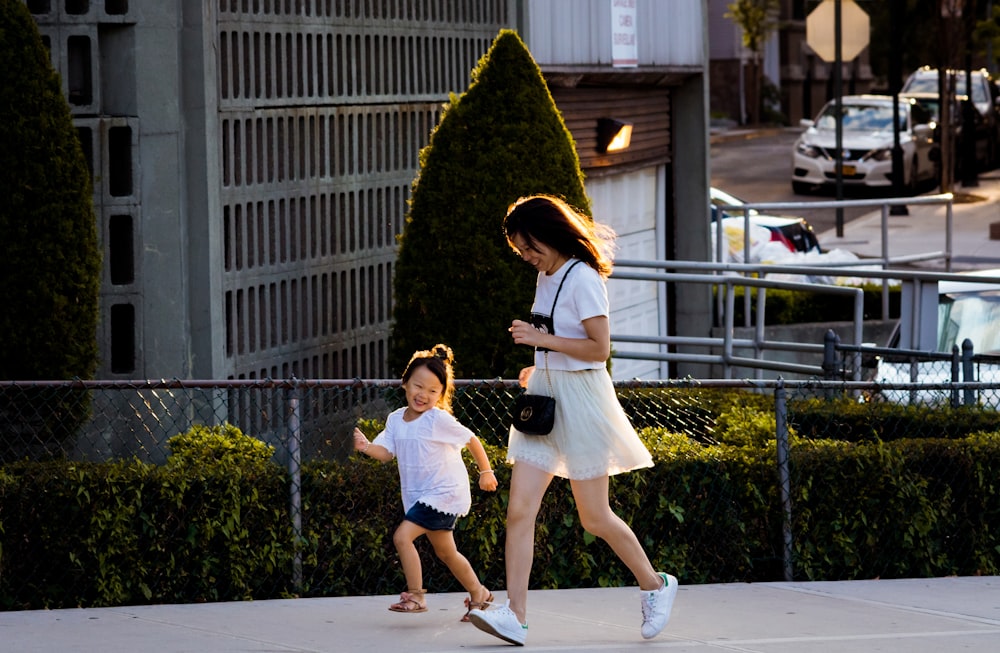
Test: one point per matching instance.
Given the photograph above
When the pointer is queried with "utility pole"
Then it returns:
(838, 90)
(970, 176)
(895, 83)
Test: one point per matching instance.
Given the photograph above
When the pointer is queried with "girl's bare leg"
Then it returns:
(409, 558)
(598, 519)
(527, 487)
(458, 564)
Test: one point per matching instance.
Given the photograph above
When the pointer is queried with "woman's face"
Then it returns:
(540, 256)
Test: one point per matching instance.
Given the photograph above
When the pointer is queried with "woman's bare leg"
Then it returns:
(598, 519)
(527, 488)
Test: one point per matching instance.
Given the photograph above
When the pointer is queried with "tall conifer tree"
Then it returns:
(456, 279)
(50, 263)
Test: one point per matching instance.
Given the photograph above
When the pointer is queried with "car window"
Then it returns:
(972, 316)
(928, 83)
(860, 117)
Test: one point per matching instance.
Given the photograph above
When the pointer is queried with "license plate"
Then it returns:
(847, 170)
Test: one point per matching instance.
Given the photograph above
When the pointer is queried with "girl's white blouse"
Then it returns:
(428, 452)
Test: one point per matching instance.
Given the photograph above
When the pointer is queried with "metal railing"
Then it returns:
(884, 206)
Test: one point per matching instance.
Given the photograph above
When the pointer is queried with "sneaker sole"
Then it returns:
(487, 627)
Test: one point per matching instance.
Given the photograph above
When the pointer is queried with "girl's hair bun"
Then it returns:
(443, 352)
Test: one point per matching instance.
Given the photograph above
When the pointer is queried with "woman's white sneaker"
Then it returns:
(501, 622)
(656, 606)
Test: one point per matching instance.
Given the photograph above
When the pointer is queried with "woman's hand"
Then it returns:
(525, 334)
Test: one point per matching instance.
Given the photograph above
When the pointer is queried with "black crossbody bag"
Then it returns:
(536, 414)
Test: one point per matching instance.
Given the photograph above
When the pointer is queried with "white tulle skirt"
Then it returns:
(591, 438)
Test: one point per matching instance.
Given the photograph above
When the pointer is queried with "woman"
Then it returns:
(592, 438)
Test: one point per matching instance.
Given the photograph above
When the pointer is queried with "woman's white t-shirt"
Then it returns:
(428, 452)
(583, 296)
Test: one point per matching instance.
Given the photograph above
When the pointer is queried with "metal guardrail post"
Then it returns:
(968, 371)
(784, 474)
(830, 366)
(295, 475)
(955, 366)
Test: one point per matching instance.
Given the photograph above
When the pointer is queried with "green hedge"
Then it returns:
(215, 525)
(801, 306)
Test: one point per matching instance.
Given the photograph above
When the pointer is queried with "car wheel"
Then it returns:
(801, 188)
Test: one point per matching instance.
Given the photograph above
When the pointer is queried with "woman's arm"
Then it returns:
(595, 347)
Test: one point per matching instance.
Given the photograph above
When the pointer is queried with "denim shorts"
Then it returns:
(433, 520)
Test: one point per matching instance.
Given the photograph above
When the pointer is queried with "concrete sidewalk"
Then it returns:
(904, 616)
(923, 230)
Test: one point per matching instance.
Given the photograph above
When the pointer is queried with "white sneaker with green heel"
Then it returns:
(656, 606)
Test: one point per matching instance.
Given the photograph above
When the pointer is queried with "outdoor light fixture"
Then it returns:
(613, 135)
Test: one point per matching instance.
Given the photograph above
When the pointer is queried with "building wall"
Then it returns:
(655, 193)
(252, 160)
(802, 78)
(252, 163)
(322, 117)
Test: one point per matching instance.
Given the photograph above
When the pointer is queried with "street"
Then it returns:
(758, 169)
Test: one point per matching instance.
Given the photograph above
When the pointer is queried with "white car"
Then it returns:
(772, 237)
(867, 143)
(966, 310)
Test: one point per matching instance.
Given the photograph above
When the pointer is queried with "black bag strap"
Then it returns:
(552, 313)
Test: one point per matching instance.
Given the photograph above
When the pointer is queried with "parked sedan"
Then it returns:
(985, 99)
(866, 146)
(771, 236)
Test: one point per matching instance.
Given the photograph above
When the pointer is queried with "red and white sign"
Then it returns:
(624, 49)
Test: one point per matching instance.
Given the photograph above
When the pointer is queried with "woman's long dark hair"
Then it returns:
(550, 220)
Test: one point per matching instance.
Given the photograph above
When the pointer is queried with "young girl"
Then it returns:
(427, 442)
(592, 437)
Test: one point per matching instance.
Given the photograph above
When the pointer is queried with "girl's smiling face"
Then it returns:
(539, 255)
(423, 390)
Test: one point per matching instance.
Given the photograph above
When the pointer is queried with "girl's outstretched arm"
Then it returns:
(487, 477)
(376, 451)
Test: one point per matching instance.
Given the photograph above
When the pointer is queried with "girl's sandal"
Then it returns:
(411, 601)
(471, 605)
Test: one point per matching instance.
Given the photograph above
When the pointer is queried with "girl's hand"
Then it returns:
(488, 481)
(524, 375)
(361, 442)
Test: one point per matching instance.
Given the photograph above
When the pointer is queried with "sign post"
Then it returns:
(838, 30)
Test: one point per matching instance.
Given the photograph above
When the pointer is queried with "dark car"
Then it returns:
(791, 233)
(922, 84)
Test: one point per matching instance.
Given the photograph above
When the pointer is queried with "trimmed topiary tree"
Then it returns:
(49, 254)
(456, 279)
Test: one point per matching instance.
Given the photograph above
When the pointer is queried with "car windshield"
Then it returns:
(929, 84)
(861, 117)
(972, 316)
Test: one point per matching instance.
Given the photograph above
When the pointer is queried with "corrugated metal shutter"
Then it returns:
(648, 109)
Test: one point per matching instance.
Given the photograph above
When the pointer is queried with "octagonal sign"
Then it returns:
(854, 30)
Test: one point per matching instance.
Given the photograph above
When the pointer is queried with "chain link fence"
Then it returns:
(729, 517)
